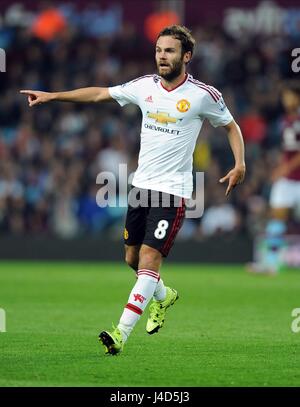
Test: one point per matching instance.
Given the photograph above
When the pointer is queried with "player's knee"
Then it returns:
(149, 258)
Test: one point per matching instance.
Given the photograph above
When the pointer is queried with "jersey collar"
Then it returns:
(176, 87)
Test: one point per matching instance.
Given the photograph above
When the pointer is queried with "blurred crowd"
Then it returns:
(50, 155)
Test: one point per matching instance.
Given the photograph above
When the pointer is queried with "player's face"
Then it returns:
(169, 59)
(290, 101)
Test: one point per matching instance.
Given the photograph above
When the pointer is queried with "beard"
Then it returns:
(174, 71)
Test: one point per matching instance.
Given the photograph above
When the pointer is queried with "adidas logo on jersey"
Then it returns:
(149, 99)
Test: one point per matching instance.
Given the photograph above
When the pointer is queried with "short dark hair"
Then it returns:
(181, 33)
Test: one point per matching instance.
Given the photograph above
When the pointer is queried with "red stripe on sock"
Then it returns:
(134, 308)
(150, 272)
(145, 273)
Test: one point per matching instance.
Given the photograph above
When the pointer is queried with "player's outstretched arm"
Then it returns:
(82, 95)
(237, 174)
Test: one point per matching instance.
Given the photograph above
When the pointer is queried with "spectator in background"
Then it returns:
(49, 23)
(253, 126)
(220, 217)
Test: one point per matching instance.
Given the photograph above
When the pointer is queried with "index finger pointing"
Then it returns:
(27, 92)
(224, 178)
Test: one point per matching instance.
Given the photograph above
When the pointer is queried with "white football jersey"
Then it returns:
(171, 123)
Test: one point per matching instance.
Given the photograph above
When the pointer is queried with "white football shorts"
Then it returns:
(285, 193)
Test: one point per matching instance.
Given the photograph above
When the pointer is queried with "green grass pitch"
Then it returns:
(228, 328)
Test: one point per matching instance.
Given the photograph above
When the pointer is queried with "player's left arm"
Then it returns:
(236, 175)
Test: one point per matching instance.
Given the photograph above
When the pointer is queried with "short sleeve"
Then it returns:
(126, 93)
(215, 110)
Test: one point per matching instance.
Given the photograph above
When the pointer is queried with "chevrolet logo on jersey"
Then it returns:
(162, 117)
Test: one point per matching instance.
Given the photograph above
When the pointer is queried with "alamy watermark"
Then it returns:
(296, 61)
(295, 327)
(2, 60)
(2, 320)
(115, 191)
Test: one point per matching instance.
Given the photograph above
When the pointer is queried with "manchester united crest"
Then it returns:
(183, 105)
(126, 234)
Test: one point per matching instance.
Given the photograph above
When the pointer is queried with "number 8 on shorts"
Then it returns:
(161, 230)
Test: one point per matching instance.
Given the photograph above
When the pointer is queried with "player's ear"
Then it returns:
(187, 57)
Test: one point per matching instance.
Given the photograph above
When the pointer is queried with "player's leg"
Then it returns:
(274, 239)
(147, 279)
(151, 260)
(153, 286)
(281, 200)
(148, 283)
(163, 224)
(133, 236)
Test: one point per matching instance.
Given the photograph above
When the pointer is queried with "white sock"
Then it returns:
(160, 291)
(139, 297)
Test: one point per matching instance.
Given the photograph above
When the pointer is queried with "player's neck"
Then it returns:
(170, 85)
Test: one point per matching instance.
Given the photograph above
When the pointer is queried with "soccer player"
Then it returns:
(174, 106)
(285, 191)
